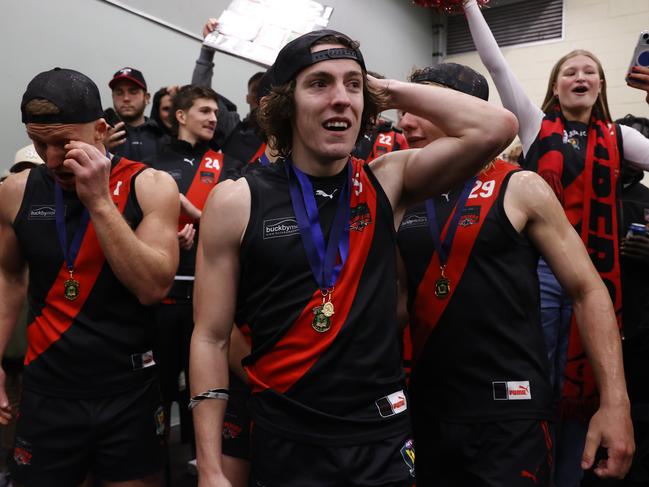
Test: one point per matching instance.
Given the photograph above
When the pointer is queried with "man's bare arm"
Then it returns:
(239, 349)
(13, 273)
(530, 202)
(476, 132)
(144, 260)
(224, 220)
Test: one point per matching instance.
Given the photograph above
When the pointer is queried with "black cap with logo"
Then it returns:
(129, 74)
(296, 55)
(73, 93)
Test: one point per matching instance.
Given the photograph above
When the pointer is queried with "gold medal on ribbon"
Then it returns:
(323, 313)
(328, 309)
(321, 323)
(71, 288)
(442, 285)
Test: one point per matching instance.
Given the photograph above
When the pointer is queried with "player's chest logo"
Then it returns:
(42, 212)
(470, 216)
(360, 217)
(280, 227)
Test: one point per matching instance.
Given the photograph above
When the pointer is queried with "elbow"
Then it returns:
(502, 130)
(509, 127)
(152, 295)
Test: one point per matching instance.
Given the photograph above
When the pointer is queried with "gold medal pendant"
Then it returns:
(323, 313)
(71, 288)
(321, 323)
(442, 285)
(328, 309)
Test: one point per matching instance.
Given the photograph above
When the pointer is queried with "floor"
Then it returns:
(179, 454)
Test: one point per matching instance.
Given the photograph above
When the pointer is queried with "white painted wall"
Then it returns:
(97, 38)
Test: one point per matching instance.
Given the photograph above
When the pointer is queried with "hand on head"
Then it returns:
(91, 169)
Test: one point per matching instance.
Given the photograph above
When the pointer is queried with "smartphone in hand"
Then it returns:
(111, 117)
(641, 53)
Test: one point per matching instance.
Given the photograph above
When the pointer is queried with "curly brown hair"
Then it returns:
(277, 109)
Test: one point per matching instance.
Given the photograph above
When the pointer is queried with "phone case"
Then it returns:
(641, 52)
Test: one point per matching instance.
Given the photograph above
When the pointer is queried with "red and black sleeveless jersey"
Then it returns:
(343, 386)
(196, 170)
(384, 138)
(100, 343)
(479, 353)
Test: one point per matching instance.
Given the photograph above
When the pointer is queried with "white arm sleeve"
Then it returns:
(635, 147)
(509, 88)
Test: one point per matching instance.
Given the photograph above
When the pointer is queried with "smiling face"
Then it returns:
(328, 109)
(577, 85)
(50, 140)
(199, 122)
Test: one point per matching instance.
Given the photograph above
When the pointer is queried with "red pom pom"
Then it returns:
(446, 6)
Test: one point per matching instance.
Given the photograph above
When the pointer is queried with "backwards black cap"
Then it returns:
(74, 94)
(297, 55)
(456, 76)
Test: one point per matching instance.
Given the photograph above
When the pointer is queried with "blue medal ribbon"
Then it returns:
(322, 257)
(70, 254)
(444, 248)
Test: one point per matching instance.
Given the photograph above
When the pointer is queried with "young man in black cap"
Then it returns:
(328, 403)
(136, 137)
(480, 382)
(98, 235)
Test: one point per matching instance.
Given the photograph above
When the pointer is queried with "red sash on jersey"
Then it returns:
(59, 313)
(590, 200)
(258, 154)
(206, 177)
(427, 309)
(301, 346)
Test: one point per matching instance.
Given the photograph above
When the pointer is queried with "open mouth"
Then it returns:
(336, 125)
(580, 89)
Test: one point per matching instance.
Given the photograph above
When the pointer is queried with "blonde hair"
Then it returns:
(601, 104)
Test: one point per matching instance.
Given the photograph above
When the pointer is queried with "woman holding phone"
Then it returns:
(573, 144)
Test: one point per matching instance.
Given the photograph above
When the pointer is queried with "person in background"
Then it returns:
(480, 385)
(97, 234)
(572, 142)
(135, 136)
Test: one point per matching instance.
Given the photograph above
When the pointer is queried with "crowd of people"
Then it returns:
(276, 275)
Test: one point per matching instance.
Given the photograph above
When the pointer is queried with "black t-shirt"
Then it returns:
(143, 142)
(100, 343)
(335, 387)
